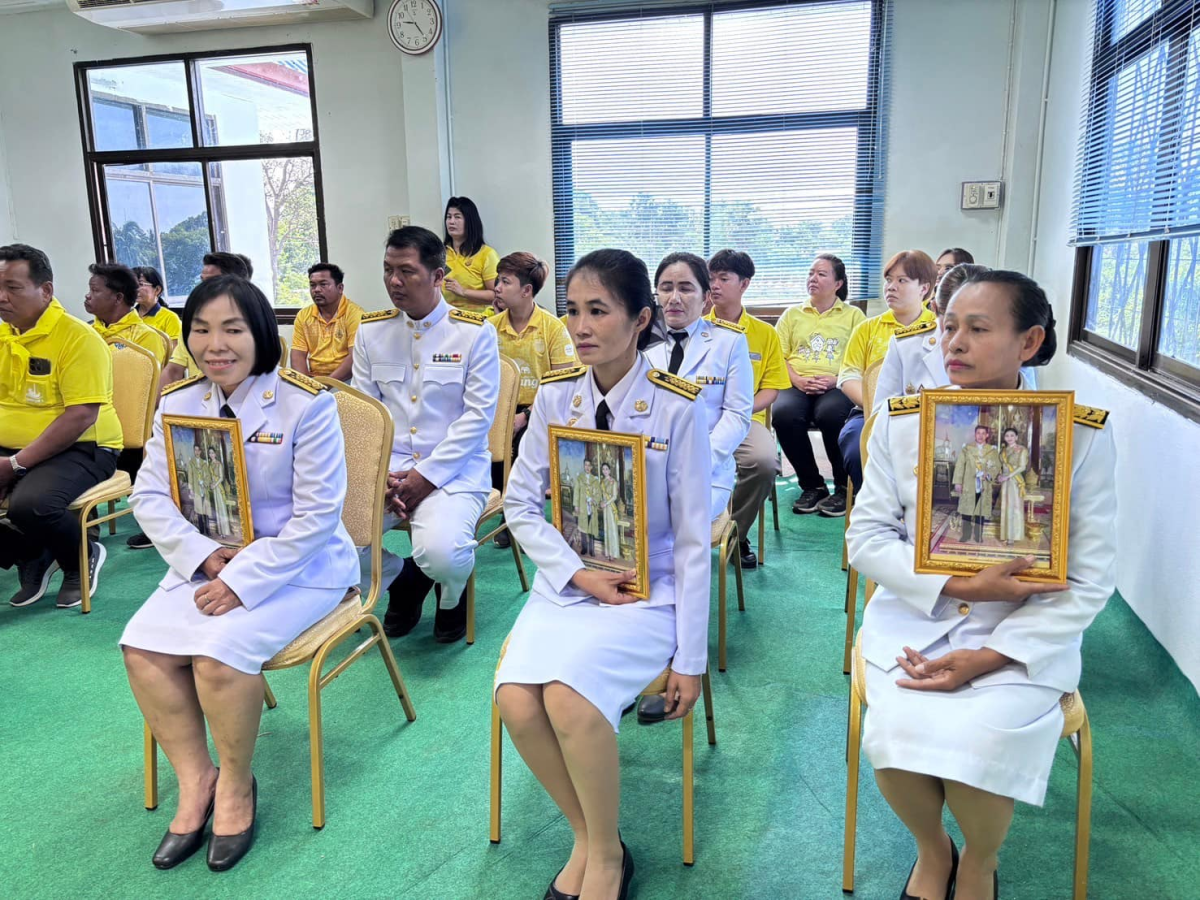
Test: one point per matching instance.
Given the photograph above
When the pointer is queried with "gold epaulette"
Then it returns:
(1092, 416)
(291, 376)
(732, 326)
(899, 406)
(674, 383)
(182, 383)
(379, 315)
(463, 315)
(563, 374)
(918, 328)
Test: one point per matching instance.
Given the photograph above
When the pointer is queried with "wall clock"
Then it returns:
(415, 25)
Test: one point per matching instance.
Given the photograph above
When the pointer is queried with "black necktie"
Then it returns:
(227, 412)
(677, 351)
(602, 416)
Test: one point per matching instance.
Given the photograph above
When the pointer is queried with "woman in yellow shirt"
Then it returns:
(151, 306)
(470, 263)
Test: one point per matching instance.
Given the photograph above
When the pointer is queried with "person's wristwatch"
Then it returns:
(18, 469)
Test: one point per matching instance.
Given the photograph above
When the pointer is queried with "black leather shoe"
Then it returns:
(450, 625)
(406, 596)
(749, 560)
(224, 850)
(553, 893)
(652, 709)
(175, 848)
(504, 541)
(905, 895)
(626, 872)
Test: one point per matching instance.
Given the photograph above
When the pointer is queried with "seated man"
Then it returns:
(756, 457)
(112, 299)
(437, 370)
(531, 337)
(181, 364)
(59, 433)
(323, 336)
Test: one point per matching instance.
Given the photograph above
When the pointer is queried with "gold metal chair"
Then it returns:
(869, 381)
(166, 339)
(367, 430)
(1076, 728)
(658, 686)
(725, 542)
(285, 357)
(762, 509)
(852, 573)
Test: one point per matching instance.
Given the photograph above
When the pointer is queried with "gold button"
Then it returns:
(963, 609)
(413, 430)
(416, 455)
(409, 323)
(416, 365)
(424, 324)
(413, 398)
(417, 336)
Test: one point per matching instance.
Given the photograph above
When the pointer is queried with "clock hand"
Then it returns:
(414, 25)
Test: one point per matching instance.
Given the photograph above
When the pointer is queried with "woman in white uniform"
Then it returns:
(195, 650)
(582, 649)
(964, 674)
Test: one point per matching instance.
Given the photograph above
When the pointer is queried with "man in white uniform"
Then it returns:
(437, 369)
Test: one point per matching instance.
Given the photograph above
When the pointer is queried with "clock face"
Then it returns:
(415, 25)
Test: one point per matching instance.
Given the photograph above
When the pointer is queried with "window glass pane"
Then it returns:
(262, 99)
(135, 241)
(1180, 334)
(157, 86)
(648, 69)
(1129, 14)
(1187, 193)
(791, 60)
(1118, 285)
(267, 209)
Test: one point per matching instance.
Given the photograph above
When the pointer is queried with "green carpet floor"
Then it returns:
(408, 803)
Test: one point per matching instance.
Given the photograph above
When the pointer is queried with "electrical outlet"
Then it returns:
(981, 194)
(395, 222)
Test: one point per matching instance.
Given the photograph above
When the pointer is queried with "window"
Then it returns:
(1136, 306)
(757, 127)
(197, 153)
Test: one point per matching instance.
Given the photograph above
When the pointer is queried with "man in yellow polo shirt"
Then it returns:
(730, 272)
(323, 336)
(59, 433)
(116, 317)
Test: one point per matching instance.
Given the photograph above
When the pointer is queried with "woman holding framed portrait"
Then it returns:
(195, 649)
(584, 647)
(964, 672)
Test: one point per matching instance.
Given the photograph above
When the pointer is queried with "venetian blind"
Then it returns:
(756, 127)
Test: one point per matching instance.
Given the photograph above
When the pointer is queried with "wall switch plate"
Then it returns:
(395, 222)
(981, 194)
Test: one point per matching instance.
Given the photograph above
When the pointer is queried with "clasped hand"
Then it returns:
(949, 672)
(405, 492)
(216, 598)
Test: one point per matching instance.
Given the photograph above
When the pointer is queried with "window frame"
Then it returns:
(95, 160)
(1166, 380)
(870, 182)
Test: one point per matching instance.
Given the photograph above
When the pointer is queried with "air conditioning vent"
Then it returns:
(165, 16)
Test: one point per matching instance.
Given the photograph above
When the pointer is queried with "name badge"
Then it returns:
(657, 443)
(39, 366)
(709, 379)
(265, 437)
(757, 356)
(447, 357)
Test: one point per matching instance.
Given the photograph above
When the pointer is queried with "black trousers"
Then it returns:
(850, 443)
(793, 414)
(38, 504)
(498, 467)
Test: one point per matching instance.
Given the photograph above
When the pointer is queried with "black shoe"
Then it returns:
(175, 848)
(652, 709)
(406, 596)
(35, 575)
(450, 625)
(807, 502)
(504, 541)
(553, 893)
(749, 560)
(626, 872)
(905, 895)
(833, 506)
(71, 592)
(224, 850)
(139, 542)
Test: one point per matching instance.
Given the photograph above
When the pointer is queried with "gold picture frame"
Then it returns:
(615, 536)
(1014, 447)
(209, 484)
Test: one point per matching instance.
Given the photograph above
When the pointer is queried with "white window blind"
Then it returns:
(754, 126)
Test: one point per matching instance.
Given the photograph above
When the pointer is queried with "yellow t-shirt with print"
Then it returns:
(766, 357)
(166, 321)
(61, 362)
(132, 329)
(326, 344)
(814, 342)
(869, 343)
(471, 272)
(543, 344)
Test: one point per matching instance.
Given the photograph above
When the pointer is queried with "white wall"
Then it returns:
(6, 212)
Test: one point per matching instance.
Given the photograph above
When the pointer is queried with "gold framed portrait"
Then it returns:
(598, 500)
(207, 464)
(994, 481)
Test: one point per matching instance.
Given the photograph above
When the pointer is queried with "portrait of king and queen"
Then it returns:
(208, 478)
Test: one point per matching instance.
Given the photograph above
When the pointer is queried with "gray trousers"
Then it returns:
(757, 459)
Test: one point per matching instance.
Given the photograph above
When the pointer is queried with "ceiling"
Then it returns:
(17, 6)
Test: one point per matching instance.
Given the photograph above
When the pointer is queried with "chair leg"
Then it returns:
(721, 590)
(737, 570)
(1083, 811)
(497, 753)
(150, 769)
(706, 689)
(851, 616)
(775, 505)
(846, 525)
(762, 534)
(471, 609)
(268, 694)
(393, 668)
(112, 523)
(85, 583)
(689, 838)
(516, 552)
(853, 749)
(316, 738)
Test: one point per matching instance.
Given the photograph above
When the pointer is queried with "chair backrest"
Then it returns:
(869, 590)
(367, 430)
(500, 435)
(135, 392)
(869, 382)
(285, 357)
(168, 344)
(768, 411)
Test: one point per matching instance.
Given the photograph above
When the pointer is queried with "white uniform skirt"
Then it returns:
(1000, 738)
(242, 638)
(608, 654)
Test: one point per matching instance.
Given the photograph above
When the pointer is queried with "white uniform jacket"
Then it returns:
(677, 514)
(1042, 635)
(296, 467)
(439, 377)
(914, 360)
(717, 358)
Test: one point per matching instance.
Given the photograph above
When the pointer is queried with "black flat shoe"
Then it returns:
(450, 625)
(626, 872)
(224, 850)
(553, 893)
(406, 596)
(175, 848)
(905, 895)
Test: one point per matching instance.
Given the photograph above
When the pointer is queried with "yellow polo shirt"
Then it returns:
(814, 342)
(165, 321)
(181, 357)
(326, 344)
(60, 362)
(766, 357)
(543, 344)
(869, 343)
(471, 272)
(132, 329)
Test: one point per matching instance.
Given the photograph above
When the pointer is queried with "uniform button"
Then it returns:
(417, 336)
(412, 430)
(409, 323)
(963, 609)
(413, 398)
(416, 365)
(416, 455)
